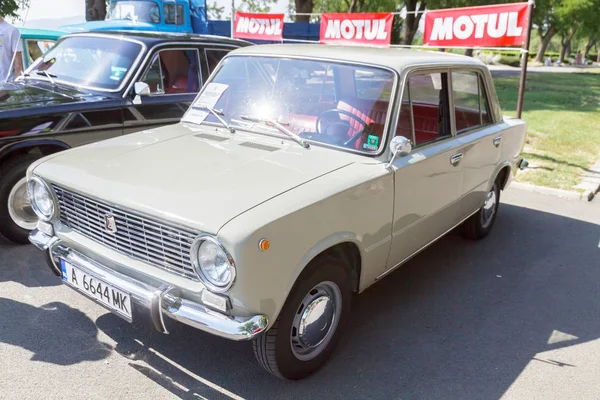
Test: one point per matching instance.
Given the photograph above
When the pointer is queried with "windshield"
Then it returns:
(96, 62)
(139, 11)
(326, 102)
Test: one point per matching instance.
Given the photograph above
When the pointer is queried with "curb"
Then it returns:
(565, 194)
(590, 185)
(590, 181)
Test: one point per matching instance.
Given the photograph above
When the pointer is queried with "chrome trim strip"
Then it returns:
(423, 248)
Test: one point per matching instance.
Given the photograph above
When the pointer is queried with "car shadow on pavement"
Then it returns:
(55, 333)
(24, 266)
(462, 320)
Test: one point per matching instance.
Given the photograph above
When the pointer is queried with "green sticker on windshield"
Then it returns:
(117, 73)
(373, 140)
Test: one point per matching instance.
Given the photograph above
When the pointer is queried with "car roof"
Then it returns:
(151, 38)
(391, 57)
(30, 33)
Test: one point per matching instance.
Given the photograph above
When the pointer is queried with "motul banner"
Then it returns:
(486, 26)
(373, 29)
(258, 26)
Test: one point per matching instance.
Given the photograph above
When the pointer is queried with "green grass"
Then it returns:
(562, 111)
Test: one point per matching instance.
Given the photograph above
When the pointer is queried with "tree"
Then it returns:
(414, 12)
(570, 17)
(590, 29)
(214, 11)
(95, 10)
(304, 7)
(257, 6)
(546, 22)
(9, 8)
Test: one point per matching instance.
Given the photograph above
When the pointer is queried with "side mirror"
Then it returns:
(140, 89)
(399, 146)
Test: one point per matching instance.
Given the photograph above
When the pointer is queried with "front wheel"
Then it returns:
(310, 323)
(480, 224)
(17, 218)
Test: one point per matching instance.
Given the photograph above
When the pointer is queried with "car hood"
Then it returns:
(37, 93)
(111, 25)
(195, 176)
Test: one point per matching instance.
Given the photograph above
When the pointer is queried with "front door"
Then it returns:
(480, 138)
(428, 181)
(174, 77)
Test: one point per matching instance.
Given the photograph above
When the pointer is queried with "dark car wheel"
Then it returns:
(310, 323)
(17, 218)
(480, 224)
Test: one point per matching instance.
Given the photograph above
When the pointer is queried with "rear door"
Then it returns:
(429, 180)
(479, 135)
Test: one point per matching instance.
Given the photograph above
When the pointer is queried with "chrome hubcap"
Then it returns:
(19, 206)
(316, 320)
(489, 208)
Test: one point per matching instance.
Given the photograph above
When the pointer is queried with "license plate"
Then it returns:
(110, 297)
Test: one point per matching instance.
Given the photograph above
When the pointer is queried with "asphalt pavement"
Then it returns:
(515, 316)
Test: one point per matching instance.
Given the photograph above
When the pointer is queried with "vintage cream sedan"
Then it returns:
(301, 174)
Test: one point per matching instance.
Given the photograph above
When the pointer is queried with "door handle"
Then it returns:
(497, 141)
(455, 159)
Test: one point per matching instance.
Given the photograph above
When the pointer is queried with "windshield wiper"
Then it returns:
(217, 114)
(272, 122)
(47, 75)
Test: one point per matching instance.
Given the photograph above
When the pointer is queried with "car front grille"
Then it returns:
(145, 239)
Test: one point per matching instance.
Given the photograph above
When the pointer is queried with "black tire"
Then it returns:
(478, 226)
(11, 174)
(273, 349)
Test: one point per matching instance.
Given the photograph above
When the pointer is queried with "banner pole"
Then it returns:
(525, 59)
(232, 16)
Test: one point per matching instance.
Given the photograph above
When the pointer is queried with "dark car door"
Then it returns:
(174, 75)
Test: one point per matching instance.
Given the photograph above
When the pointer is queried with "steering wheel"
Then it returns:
(342, 112)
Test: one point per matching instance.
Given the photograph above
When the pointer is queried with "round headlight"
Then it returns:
(213, 264)
(42, 201)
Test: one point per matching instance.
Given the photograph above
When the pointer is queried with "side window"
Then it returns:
(213, 57)
(470, 101)
(429, 106)
(173, 72)
(37, 48)
(174, 14)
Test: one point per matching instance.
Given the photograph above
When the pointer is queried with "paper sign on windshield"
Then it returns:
(208, 99)
(491, 26)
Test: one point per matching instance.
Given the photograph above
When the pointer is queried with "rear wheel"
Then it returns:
(480, 224)
(17, 218)
(310, 323)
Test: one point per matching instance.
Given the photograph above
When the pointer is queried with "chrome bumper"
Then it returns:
(159, 301)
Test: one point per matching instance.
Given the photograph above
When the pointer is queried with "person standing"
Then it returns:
(578, 58)
(11, 59)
